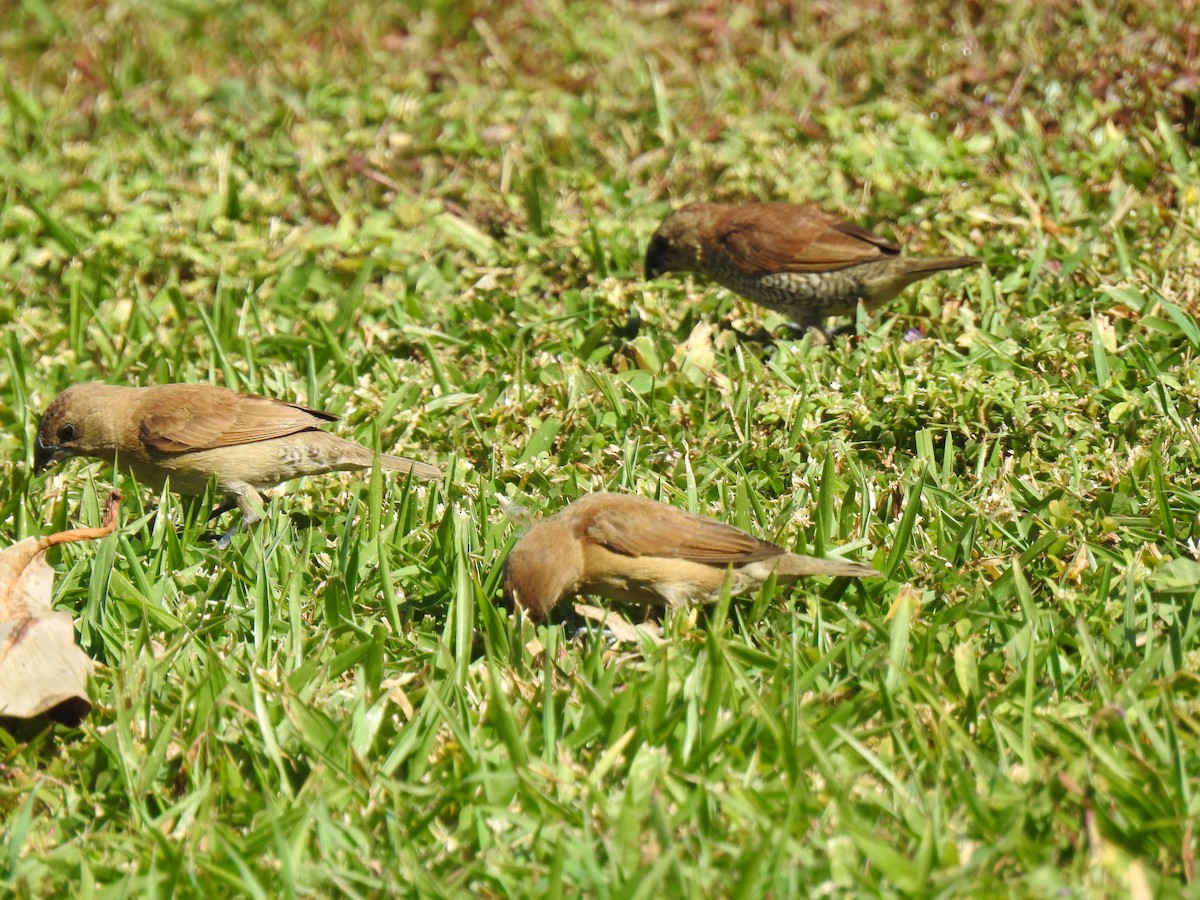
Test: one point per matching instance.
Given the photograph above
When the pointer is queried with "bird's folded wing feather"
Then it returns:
(676, 534)
(766, 238)
(240, 419)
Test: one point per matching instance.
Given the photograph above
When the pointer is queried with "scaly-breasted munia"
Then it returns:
(635, 550)
(798, 260)
(190, 433)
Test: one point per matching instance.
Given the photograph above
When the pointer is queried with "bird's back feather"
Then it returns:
(635, 527)
(182, 418)
(761, 238)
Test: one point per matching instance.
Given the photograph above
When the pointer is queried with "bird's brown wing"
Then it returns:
(224, 421)
(761, 238)
(653, 529)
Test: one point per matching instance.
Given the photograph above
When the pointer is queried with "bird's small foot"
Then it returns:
(849, 330)
(223, 540)
(817, 335)
(759, 335)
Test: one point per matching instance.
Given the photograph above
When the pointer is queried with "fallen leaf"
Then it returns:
(1080, 563)
(42, 671)
(618, 625)
(908, 598)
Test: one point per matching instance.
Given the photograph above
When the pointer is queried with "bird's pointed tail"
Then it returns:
(940, 263)
(401, 464)
(794, 564)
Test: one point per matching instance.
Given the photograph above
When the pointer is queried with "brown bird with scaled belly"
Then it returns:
(190, 433)
(635, 550)
(798, 260)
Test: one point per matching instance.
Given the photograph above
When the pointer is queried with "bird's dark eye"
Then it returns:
(66, 433)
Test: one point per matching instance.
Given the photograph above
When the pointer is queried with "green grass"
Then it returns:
(429, 219)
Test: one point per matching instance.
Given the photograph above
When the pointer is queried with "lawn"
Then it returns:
(429, 218)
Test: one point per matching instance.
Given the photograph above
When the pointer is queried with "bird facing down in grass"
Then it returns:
(190, 433)
(798, 260)
(636, 550)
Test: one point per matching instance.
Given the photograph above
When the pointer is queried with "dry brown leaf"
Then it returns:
(1079, 564)
(906, 596)
(620, 627)
(42, 671)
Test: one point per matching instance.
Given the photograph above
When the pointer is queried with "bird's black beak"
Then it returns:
(45, 455)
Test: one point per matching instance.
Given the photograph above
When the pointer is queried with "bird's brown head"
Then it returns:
(77, 423)
(545, 565)
(678, 243)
